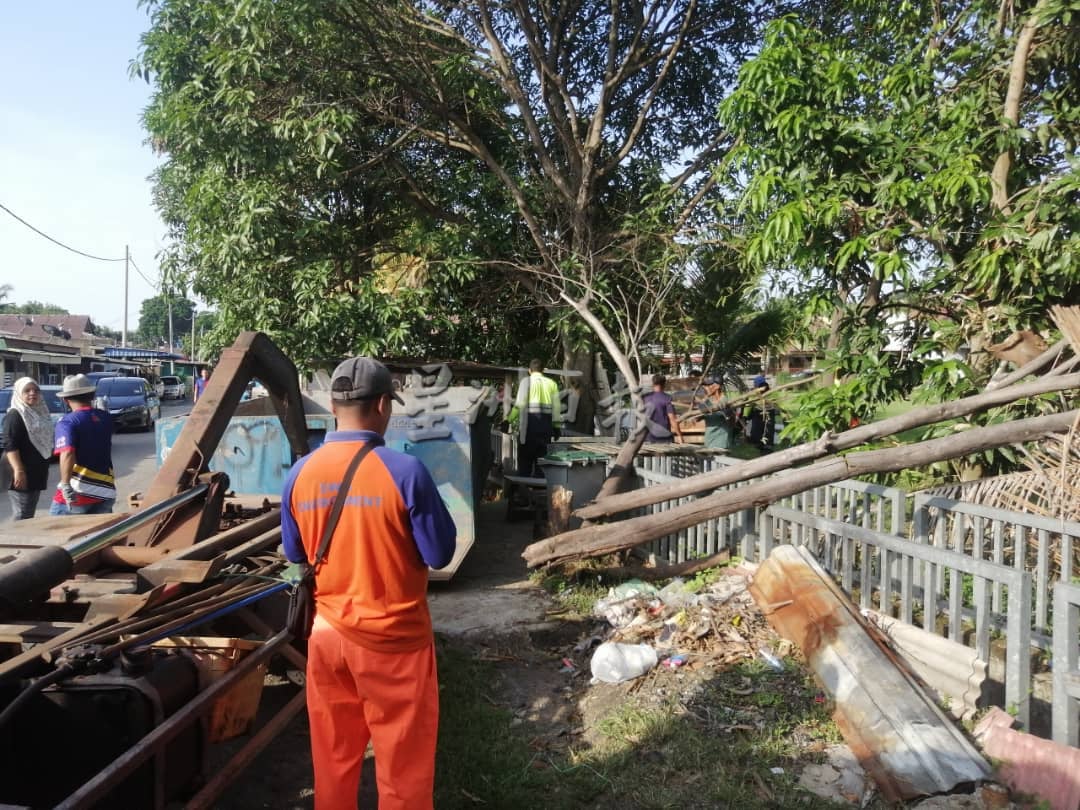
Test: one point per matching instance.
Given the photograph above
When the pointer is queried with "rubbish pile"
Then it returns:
(680, 626)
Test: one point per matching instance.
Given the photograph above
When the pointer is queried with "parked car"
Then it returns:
(48, 392)
(172, 388)
(131, 401)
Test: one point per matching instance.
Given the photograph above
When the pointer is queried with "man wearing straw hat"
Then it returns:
(84, 445)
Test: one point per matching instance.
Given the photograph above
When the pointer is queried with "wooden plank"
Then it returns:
(33, 632)
(55, 530)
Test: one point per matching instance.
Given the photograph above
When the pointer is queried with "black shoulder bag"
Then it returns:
(302, 596)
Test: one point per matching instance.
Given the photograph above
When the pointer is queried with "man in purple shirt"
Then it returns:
(660, 413)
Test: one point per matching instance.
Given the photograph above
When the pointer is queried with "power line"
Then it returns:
(140, 272)
(57, 241)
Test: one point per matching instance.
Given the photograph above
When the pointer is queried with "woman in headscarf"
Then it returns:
(28, 446)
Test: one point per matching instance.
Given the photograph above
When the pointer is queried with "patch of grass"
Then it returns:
(483, 758)
(661, 757)
(703, 579)
(714, 750)
(576, 591)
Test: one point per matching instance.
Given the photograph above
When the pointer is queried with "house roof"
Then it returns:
(33, 327)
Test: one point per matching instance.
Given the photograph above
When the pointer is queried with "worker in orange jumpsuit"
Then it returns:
(371, 656)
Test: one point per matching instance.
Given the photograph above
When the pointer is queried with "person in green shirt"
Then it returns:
(718, 416)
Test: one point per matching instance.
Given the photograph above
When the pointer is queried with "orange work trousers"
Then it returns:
(355, 695)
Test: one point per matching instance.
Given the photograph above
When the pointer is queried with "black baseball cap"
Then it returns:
(362, 378)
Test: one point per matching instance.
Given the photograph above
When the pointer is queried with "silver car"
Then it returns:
(172, 388)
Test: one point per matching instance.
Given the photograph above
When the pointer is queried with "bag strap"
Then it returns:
(339, 503)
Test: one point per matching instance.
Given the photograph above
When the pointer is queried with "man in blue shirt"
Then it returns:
(200, 384)
(84, 445)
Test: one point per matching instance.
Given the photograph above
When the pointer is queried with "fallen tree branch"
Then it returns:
(748, 397)
(623, 468)
(774, 462)
(611, 537)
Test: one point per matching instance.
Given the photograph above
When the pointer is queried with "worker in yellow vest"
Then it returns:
(538, 398)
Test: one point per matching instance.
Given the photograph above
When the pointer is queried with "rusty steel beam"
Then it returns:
(127, 763)
(252, 355)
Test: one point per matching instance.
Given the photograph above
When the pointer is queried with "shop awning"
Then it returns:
(51, 359)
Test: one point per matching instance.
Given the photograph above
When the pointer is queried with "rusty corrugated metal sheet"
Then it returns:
(900, 736)
(1031, 764)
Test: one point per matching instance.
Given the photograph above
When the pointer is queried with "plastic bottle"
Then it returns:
(771, 659)
(615, 663)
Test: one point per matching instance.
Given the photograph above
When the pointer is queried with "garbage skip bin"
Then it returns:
(579, 472)
(254, 450)
(450, 431)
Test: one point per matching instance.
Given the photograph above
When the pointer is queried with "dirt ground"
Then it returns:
(490, 598)
(536, 653)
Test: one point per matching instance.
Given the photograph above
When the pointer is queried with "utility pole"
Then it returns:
(172, 369)
(127, 258)
(194, 317)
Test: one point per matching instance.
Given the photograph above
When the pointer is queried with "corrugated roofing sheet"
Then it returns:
(1030, 764)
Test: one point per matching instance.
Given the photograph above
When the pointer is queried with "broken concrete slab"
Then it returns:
(491, 611)
(840, 779)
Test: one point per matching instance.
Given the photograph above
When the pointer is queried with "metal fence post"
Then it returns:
(1066, 701)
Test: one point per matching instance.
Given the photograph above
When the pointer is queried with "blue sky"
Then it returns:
(72, 158)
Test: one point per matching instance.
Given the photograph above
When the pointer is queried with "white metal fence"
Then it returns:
(1066, 662)
(959, 569)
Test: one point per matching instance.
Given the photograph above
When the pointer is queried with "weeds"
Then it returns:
(722, 748)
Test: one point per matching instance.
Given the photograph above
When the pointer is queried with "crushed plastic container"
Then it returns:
(615, 663)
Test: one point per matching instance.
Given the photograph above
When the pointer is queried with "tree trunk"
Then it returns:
(828, 443)
(623, 469)
(608, 538)
(581, 360)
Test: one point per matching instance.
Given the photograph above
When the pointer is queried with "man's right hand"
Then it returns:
(69, 494)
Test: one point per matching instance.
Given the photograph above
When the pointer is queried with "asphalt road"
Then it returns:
(133, 461)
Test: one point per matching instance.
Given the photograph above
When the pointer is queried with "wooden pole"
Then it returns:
(610, 537)
(829, 443)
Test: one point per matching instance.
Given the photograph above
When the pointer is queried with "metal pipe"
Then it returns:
(96, 789)
(222, 611)
(84, 546)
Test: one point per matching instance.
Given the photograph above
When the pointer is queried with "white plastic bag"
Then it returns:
(615, 663)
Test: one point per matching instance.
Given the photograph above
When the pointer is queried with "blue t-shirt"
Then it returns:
(88, 434)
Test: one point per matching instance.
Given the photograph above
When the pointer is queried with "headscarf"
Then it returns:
(38, 423)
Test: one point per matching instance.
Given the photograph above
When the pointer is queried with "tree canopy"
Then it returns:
(911, 171)
(153, 330)
(360, 176)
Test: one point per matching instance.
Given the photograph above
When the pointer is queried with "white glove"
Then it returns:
(69, 493)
